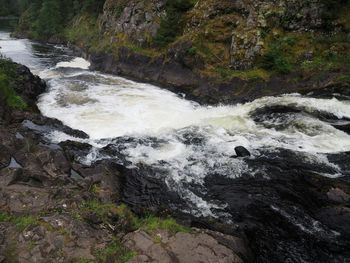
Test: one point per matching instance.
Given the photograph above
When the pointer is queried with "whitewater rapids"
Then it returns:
(167, 132)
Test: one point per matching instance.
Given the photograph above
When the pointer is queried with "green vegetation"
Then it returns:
(84, 30)
(42, 19)
(50, 20)
(170, 25)
(9, 7)
(278, 57)
(127, 221)
(149, 223)
(8, 79)
(283, 52)
(306, 52)
(82, 261)
(253, 74)
(22, 222)
(152, 223)
(114, 252)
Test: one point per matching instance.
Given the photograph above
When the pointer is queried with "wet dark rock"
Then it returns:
(29, 86)
(241, 151)
(141, 190)
(75, 150)
(75, 175)
(5, 156)
(338, 219)
(280, 210)
(338, 195)
(43, 125)
(338, 90)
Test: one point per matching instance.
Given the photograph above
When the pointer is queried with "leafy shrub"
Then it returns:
(7, 81)
(170, 25)
(277, 57)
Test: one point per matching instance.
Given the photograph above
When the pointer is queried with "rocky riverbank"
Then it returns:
(54, 209)
(171, 73)
(216, 51)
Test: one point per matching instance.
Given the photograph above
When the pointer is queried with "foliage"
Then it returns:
(46, 18)
(170, 25)
(152, 223)
(49, 22)
(84, 30)
(21, 222)
(277, 57)
(10, 7)
(8, 79)
(114, 252)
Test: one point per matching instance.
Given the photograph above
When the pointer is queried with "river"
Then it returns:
(183, 142)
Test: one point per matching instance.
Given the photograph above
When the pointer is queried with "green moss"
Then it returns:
(100, 209)
(149, 223)
(8, 79)
(24, 222)
(152, 223)
(21, 222)
(192, 51)
(11, 254)
(82, 261)
(114, 252)
(4, 217)
(249, 75)
(343, 78)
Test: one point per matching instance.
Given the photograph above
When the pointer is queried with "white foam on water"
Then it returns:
(75, 63)
(194, 141)
(111, 107)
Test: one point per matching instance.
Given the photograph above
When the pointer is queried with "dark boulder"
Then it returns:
(28, 86)
(241, 151)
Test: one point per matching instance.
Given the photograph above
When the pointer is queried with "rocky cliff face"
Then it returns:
(225, 51)
(137, 21)
(245, 22)
(237, 29)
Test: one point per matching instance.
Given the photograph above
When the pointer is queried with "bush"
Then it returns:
(7, 81)
(50, 19)
(277, 57)
(170, 25)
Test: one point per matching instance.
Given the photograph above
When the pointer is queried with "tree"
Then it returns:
(50, 19)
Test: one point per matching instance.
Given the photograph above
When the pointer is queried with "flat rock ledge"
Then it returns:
(195, 247)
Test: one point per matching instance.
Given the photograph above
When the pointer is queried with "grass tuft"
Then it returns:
(114, 252)
(21, 222)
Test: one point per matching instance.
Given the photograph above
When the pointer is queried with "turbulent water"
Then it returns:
(182, 141)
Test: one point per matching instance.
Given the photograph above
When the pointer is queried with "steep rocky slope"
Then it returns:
(220, 51)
